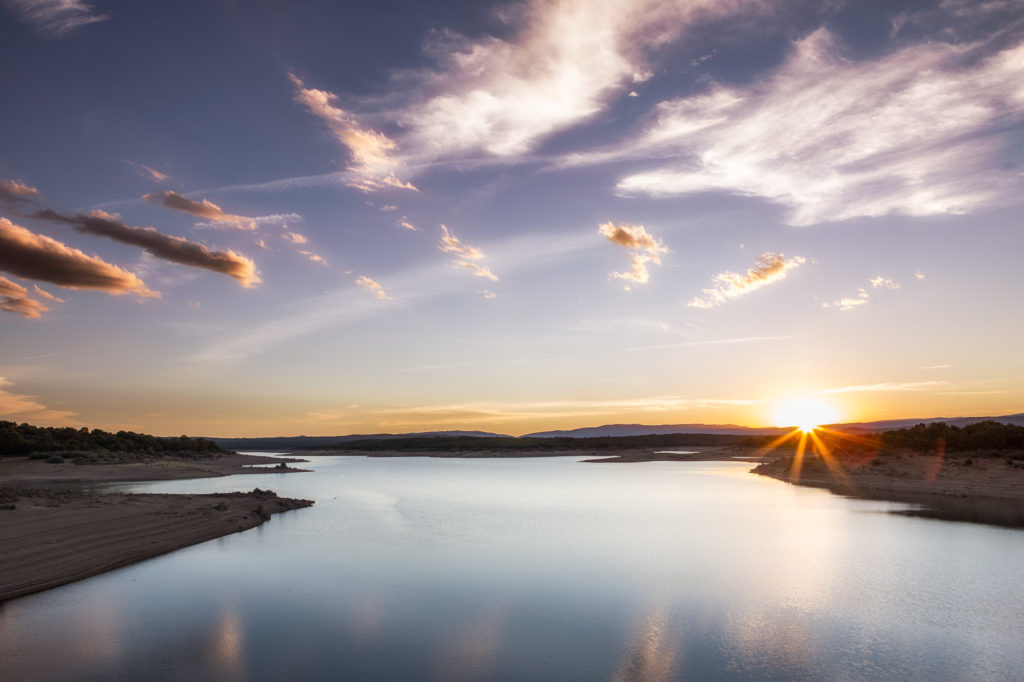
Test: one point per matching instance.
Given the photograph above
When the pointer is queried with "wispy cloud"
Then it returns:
(887, 387)
(34, 256)
(148, 173)
(512, 411)
(203, 208)
(46, 294)
(372, 153)
(55, 18)
(738, 340)
(466, 255)
(917, 132)
(14, 298)
(26, 406)
(644, 247)
(173, 249)
(557, 65)
(373, 287)
(770, 267)
(295, 238)
(404, 222)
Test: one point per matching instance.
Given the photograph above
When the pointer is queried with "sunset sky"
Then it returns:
(248, 218)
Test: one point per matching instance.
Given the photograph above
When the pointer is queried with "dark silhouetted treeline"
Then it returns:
(25, 439)
(507, 443)
(987, 435)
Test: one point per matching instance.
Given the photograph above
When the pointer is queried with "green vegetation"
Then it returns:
(983, 436)
(25, 439)
(457, 444)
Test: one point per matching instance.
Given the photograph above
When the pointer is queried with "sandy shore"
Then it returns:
(53, 531)
(961, 488)
(52, 538)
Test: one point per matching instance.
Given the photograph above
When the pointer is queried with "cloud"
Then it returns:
(35, 256)
(646, 249)
(372, 161)
(55, 18)
(313, 256)
(488, 294)
(465, 254)
(557, 66)
(879, 282)
(770, 267)
(478, 270)
(388, 207)
(919, 275)
(46, 294)
(921, 131)
(887, 387)
(849, 303)
(373, 287)
(173, 249)
(404, 222)
(295, 237)
(13, 192)
(202, 209)
(14, 298)
(148, 173)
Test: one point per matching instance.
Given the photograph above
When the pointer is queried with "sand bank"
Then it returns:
(53, 531)
(52, 538)
(962, 488)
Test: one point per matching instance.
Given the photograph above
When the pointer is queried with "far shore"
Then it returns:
(54, 531)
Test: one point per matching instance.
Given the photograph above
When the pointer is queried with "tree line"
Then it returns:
(25, 439)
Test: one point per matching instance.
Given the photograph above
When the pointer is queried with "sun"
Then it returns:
(805, 414)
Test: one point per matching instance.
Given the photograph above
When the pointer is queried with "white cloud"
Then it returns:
(55, 18)
(880, 282)
(559, 65)
(770, 267)
(915, 132)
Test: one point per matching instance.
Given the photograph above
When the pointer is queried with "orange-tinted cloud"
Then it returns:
(373, 287)
(148, 173)
(203, 209)
(173, 249)
(770, 267)
(645, 247)
(465, 254)
(372, 161)
(13, 192)
(35, 256)
(14, 298)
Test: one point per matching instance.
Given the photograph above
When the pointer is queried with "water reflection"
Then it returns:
(542, 569)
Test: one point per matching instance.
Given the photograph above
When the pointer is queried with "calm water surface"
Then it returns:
(548, 569)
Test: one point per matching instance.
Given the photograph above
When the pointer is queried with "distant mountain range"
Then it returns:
(292, 442)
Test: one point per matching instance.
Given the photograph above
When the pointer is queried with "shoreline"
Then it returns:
(54, 531)
(978, 490)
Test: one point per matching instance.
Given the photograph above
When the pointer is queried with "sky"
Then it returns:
(255, 218)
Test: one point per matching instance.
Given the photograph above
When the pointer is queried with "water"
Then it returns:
(548, 569)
